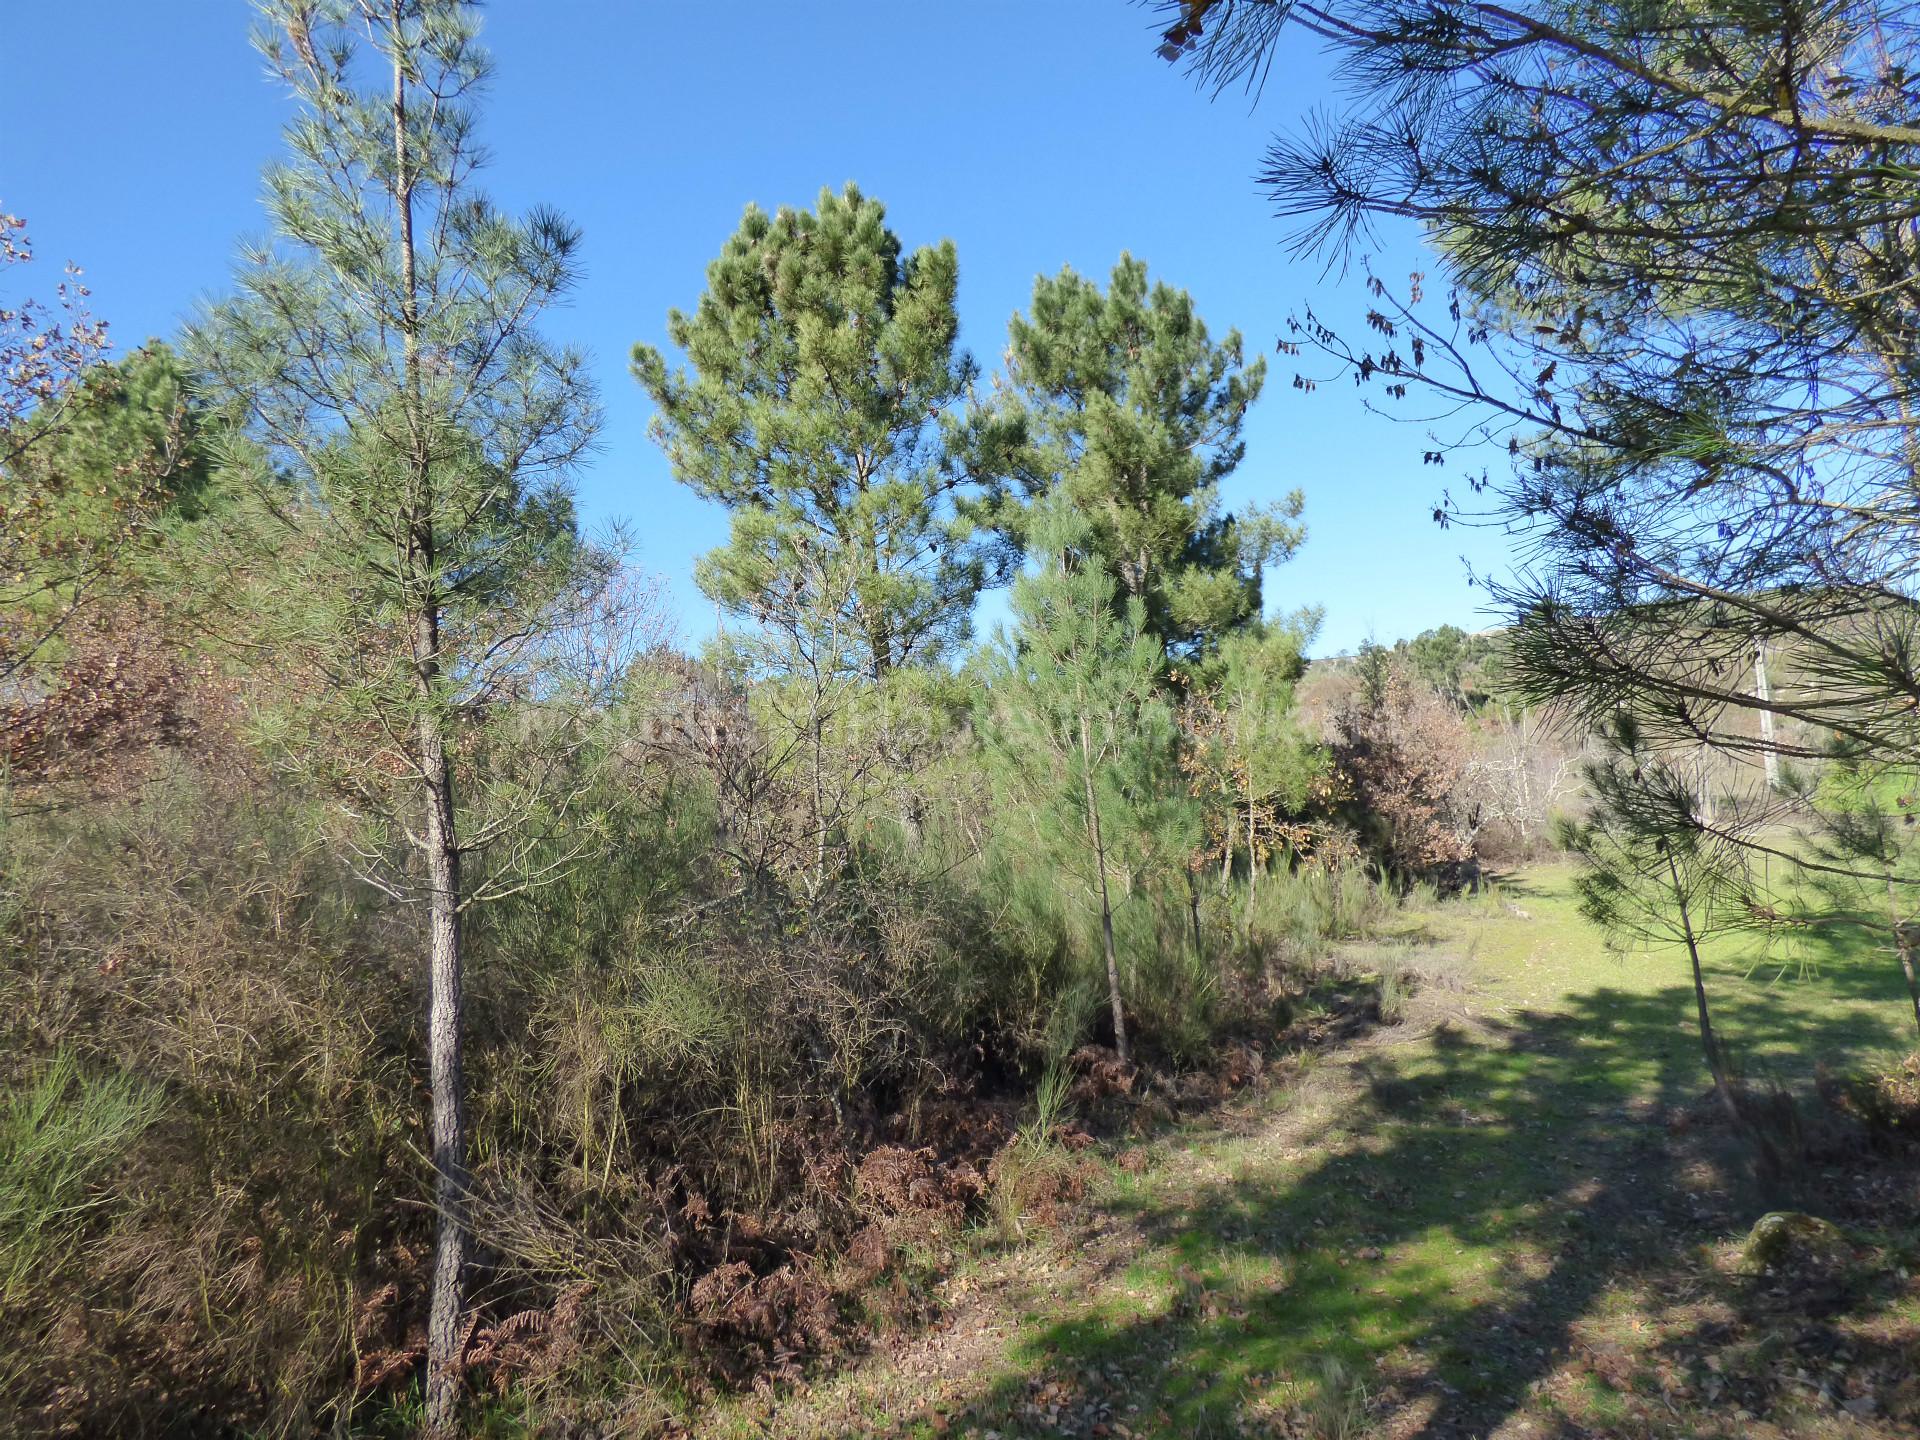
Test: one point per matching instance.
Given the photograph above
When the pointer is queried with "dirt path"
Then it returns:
(927, 1382)
(1503, 1216)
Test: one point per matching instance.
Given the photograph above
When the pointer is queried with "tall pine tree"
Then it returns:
(1134, 412)
(405, 539)
(820, 363)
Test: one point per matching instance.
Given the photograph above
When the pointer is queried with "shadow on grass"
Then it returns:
(1437, 1239)
(1515, 884)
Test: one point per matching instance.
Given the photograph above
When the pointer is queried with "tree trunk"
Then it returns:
(1253, 856)
(1903, 939)
(1709, 1041)
(445, 1008)
(1723, 1086)
(1106, 903)
(817, 733)
(445, 1022)
(1193, 913)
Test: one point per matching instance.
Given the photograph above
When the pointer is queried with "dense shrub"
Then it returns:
(1407, 755)
(692, 1080)
(185, 945)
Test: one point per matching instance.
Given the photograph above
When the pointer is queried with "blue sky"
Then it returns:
(1033, 134)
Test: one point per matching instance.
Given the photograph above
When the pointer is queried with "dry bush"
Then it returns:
(679, 1041)
(576, 1278)
(187, 935)
(1407, 757)
(1038, 1183)
(764, 1324)
(1101, 1075)
(102, 712)
(1524, 770)
(896, 1180)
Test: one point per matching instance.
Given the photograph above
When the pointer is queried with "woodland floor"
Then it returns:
(1510, 1214)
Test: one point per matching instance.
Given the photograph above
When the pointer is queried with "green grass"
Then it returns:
(1441, 1216)
(59, 1134)
(1835, 999)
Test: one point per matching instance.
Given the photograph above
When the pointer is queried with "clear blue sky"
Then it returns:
(1032, 134)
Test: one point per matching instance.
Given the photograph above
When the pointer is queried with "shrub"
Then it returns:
(1407, 757)
(60, 1132)
(186, 934)
(1303, 911)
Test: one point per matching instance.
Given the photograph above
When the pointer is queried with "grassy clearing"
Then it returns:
(1501, 1216)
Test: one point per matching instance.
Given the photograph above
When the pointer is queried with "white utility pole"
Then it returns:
(1769, 756)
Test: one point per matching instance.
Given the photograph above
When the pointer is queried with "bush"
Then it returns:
(682, 1060)
(59, 1134)
(1303, 912)
(186, 935)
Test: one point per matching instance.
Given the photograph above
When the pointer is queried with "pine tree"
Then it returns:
(1133, 412)
(1464, 668)
(1082, 739)
(404, 543)
(820, 363)
(1249, 752)
(92, 456)
(96, 494)
(1647, 880)
(1684, 300)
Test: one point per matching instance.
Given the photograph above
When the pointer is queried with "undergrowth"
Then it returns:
(713, 1124)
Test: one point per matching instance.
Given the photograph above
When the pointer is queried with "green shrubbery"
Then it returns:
(391, 912)
(212, 1122)
(61, 1131)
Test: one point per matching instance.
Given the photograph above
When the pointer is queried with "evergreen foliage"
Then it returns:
(1249, 755)
(1646, 881)
(1081, 738)
(1133, 413)
(88, 482)
(401, 439)
(1464, 668)
(1683, 298)
(821, 362)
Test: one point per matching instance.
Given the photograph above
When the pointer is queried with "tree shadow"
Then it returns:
(1517, 883)
(1436, 1237)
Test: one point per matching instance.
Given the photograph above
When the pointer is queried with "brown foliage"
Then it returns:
(764, 1324)
(117, 695)
(869, 1251)
(186, 934)
(896, 1180)
(1042, 1184)
(1406, 754)
(1102, 1073)
(532, 1344)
